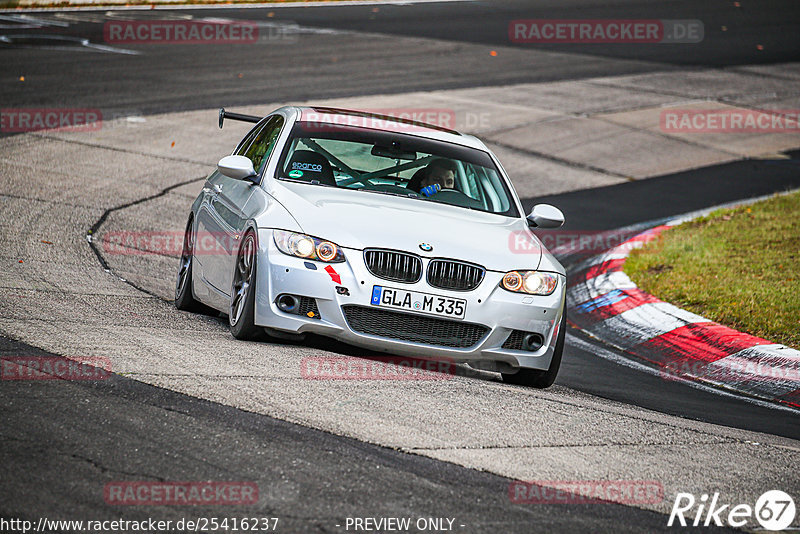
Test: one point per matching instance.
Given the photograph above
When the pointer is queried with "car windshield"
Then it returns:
(392, 163)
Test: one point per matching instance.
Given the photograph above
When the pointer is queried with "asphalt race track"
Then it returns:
(308, 478)
(335, 64)
(187, 402)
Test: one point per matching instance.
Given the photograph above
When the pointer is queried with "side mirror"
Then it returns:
(545, 216)
(237, 167)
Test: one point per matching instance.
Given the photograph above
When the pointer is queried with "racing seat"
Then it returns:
(314, 166)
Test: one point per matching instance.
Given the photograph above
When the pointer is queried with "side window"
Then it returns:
(474, 190)
(471, 189)
(263, 142)
(240, 149)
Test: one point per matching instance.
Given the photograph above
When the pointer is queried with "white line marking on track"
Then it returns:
(72, 44)
(148, 7)
(771, 370)
(633, 364)
(37, 22)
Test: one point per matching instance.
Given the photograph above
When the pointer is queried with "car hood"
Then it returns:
(359, 219)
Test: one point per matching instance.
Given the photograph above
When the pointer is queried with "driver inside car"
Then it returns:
(437, 175)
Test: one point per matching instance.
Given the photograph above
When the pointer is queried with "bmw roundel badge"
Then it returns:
(426, 247)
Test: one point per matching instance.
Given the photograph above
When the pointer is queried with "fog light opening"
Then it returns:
(288, 303)
(532, 342)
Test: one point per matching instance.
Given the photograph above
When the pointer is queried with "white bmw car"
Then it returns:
(384, 233)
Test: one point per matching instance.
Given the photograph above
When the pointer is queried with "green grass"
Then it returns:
(739, 267)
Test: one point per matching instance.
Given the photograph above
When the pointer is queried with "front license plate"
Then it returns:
(389, 297)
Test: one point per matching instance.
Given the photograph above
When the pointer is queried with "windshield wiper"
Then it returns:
(403, 195)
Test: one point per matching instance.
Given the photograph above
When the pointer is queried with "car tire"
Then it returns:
(241, 315)
(184, 298)
(537, 378)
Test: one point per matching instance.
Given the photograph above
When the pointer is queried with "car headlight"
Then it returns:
(305, 246)
(531, 282)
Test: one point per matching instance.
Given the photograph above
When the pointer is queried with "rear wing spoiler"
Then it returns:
(236, 117)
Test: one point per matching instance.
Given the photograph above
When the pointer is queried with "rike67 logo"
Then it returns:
(774, 510)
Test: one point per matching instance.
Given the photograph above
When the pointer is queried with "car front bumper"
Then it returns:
(500, 311)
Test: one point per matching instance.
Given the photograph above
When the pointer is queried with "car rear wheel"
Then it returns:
(241, 315)
(537, 378)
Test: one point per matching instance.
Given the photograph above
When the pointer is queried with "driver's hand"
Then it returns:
(431, 190)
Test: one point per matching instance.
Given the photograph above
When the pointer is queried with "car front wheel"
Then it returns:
(184, 299)
(241, 315)
(537, 378)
